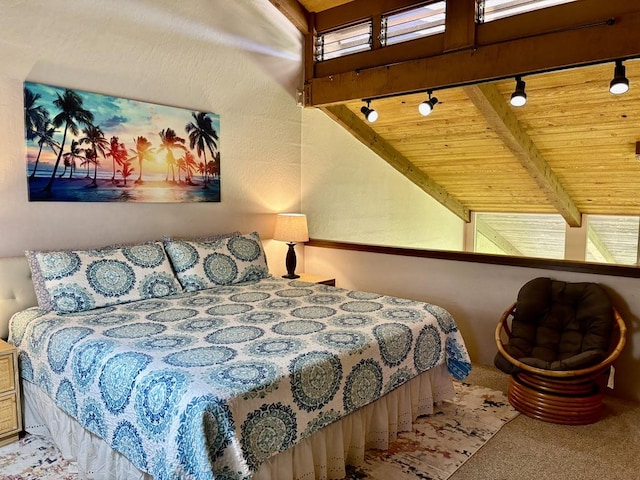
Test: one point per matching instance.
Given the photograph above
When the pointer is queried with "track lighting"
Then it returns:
(426, 107)
(620, 83)
(519, 96)
(369, 113)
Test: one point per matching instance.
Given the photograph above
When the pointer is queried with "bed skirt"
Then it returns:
(321, 456)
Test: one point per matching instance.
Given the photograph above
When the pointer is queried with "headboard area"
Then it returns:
(16, 290)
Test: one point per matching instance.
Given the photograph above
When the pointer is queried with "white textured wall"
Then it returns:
(351, 194)
(476, 295)
(198, 55)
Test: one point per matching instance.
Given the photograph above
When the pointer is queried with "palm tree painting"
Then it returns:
(203, 136)
(35, 115)
(44, 132)
(73, 157)
(169, 142)
(127, 150)
(95, 137)
(143, 151)
(118, 153)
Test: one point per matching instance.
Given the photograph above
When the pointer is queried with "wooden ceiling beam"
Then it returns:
(493, 236)
(574, 34)
(500, 117)
(598, 246)
(295, 13)
(360, 130)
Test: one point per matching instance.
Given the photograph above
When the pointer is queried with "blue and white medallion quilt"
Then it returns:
(210, 384)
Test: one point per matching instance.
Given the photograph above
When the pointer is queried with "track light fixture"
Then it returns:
(620, 82)
(369, 113)
(426, 107)
(519, 96)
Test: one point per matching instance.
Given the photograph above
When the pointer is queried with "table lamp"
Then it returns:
(291, 228)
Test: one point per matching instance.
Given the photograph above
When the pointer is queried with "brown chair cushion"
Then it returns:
(559, 326)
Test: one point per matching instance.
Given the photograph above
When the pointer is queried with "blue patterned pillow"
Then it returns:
(42, 295)
(73, 281)
(207, 238)
(223, 261)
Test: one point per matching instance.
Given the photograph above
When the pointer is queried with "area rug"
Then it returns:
(442, 442)
(438, 445)
(34, 457)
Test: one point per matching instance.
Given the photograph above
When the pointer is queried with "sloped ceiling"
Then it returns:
(321, 5)
(569, 150)
(584, 136)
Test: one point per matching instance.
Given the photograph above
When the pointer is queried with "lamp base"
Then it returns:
(291, 262)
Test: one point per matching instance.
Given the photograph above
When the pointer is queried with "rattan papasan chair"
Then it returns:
(558, 342)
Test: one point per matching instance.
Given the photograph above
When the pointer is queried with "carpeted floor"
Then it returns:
(439, 445)
(528, 449)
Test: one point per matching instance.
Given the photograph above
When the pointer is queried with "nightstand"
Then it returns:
(322, 279)
(10, 407)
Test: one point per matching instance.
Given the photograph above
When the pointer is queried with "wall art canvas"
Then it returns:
(88, 147)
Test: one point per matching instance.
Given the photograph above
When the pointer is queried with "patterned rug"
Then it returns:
(440, 443)
(438, 446)
(34, 457)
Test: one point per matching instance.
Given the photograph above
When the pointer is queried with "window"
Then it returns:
(397, 27)
(612, 239)
(414, 23)
(523, 235)
(489, 10)
(352, 39)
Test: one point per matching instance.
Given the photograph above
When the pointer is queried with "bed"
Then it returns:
(204, 377)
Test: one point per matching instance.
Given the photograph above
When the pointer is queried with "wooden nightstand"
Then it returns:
(10, 406)
(322, 279)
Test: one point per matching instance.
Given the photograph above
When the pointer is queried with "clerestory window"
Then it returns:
(414, 23)
(489, 10)
(344, 41)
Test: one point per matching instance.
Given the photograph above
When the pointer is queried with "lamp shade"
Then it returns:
(291, 227)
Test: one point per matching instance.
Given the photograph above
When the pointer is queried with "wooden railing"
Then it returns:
(543, 263)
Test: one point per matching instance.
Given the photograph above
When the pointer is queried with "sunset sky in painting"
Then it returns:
(124, 118)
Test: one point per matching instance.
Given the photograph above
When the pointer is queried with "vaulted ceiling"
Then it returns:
(570, 150)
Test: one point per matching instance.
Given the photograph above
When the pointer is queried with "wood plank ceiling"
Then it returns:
(569, 150)
(586, 136)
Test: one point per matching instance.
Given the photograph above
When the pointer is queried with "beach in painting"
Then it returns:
(87, 147)
(151, 191)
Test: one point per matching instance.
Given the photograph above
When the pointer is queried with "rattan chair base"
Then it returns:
(555, 401)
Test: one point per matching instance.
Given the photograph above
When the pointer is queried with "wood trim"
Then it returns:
(585, 38)
(295, 13)
(560, 17)
(309, 60)
(399, 52)
(460, 26)
(527, 262)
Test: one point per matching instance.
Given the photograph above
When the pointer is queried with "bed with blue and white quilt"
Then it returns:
(259, 378)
